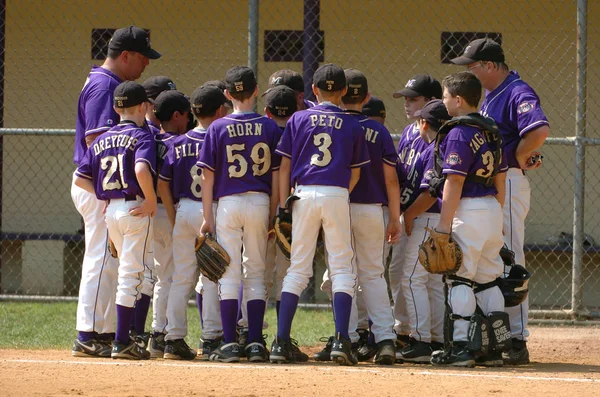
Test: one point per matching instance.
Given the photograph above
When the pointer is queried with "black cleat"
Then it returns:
(325, 354)
(341, 351)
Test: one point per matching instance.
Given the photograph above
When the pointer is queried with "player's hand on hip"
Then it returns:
(394, 229)
(531, 161)
(207, 227)
(146, 208)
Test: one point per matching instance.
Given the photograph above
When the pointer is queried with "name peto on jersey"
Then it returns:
(114, 141)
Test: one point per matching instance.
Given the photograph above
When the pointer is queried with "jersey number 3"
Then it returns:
(322, 141)
(112, 163)
(260, 155)
(487, 158)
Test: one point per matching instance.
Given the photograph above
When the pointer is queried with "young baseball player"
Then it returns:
(516, 108)
(128, 55)
(240, 170)
(171, 109)
(154, 86)
(119, 168)
(419, 90)
(470, 200)
(323, 149)
(294, 80)
(423, 291)
(376, 191)
(375, 109)
(180, 182)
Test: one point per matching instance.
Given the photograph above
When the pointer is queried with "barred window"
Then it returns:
(287, 45)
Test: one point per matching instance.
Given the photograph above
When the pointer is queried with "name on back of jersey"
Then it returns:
(187, 150)
(115, 141)
(325, 120)
(244, 129)
(371, 135)
(476, 142)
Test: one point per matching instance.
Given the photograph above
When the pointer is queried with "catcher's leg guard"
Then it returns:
(497, 322)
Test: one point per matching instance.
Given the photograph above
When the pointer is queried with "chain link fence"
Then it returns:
(47, 49)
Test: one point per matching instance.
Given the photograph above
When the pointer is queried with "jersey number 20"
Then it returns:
(260, 155)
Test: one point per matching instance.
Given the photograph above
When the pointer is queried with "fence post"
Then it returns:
(580, 131)
(253, 37)
(310, 39)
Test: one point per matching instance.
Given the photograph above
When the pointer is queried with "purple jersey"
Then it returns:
(371, 187)
(95, 113)
(323, 143)
(309, 104)
(153, 128)
(424, 171)
(180, 166)
(409, 134)
(466, 152)
(408, 174)
(110, 161)
(516, 108)
(240, 150)
(163, 143)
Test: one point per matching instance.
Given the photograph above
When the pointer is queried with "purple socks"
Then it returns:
(229, 312)
(199, 306)
(124, 317)
(140, 313)
(287, 310)
(256, 315)
(342, 304)
(85, 336)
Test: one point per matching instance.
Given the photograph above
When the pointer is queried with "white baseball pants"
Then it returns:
(134, 240)
(477, 228)
(163, 263)
(325, 206)
(423, 291)
(395, 274)
(96, 310)
(516, 207)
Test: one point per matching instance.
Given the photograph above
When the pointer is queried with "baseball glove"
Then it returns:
(440, 254)
(113, 249)
(211, 258)
(282, 225)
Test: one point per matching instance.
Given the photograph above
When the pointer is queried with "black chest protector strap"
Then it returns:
(492, 137)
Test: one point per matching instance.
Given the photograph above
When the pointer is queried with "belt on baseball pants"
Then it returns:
(128, 197)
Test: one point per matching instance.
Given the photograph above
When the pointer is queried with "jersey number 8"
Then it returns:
(260, 155)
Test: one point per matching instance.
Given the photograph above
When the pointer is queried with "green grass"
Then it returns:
(51, 325)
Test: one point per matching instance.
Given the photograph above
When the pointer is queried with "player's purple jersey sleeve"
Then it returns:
(166, 171)
(100, 115)
(284, 147)
(84, 169)
(145, 151)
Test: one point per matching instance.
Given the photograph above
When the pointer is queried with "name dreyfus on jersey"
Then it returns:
(114, 141)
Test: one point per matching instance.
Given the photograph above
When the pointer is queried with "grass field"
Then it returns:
(51, 325)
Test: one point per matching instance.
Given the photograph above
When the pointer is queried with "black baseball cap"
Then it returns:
(357, 83)
(435, 113)
(281, 101)
(421, 85)
(240, 79)
(374, 107)
(206, 99)
(169, 102)
(128, 94)
(220, 84)
(288, 78)
(480, 50)
(157, 84)
(329, 77)
(135, 39)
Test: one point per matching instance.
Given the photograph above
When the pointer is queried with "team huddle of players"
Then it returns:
(175, 167)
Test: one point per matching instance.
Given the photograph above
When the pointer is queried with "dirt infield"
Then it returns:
(566, 361)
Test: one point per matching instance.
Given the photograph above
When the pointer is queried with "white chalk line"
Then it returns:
(292, 368)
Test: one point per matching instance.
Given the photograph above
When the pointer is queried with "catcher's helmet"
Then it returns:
(515, 286)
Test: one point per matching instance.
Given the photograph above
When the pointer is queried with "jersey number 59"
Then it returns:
(260, 156)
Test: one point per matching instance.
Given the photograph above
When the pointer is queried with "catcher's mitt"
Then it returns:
(440, 254)
(282, 225)
(211, 258)
(112, 249)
